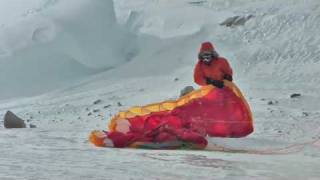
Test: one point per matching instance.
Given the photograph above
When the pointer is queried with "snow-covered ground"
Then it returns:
(58, 57)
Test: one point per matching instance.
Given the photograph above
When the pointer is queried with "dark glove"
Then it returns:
(216, 83)
(228, 77)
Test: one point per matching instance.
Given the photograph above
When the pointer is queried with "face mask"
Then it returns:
(206, 57)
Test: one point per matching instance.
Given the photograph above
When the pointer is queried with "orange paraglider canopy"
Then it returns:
(208, 111)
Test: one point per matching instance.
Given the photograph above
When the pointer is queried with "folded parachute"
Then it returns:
(183, 123)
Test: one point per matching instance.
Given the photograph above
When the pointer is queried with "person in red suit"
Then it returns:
(211, 68)
(192, 122)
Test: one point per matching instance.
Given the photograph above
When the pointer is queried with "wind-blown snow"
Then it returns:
(143, 51)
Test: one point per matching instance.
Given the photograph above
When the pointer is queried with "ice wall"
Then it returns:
(46, 44)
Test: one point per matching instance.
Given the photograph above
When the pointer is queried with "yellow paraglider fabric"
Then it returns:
(170, 105)
(181, 123)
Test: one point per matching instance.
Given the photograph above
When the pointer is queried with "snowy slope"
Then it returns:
(275, 54)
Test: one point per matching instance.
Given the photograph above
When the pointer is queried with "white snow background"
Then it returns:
(58, 57)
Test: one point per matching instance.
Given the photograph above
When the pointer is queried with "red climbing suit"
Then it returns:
(218, 68)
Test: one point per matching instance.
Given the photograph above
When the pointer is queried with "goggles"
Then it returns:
(206, 56)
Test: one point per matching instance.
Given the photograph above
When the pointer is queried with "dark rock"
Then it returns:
(107, 106)
(13, 121)
(32, 126)
(90, 113)
(236, 21)
(272, 102)
(119, 104)
(305, 114)
(186, 90)
(96, 110)
(295, 95)
(197, 2)
(176, 79)
(97, 101)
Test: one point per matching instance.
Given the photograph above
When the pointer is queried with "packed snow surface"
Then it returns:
(58, 57)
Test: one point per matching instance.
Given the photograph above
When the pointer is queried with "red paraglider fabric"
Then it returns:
(216, 113)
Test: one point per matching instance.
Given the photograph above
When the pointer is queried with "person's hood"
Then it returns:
(206, 46)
